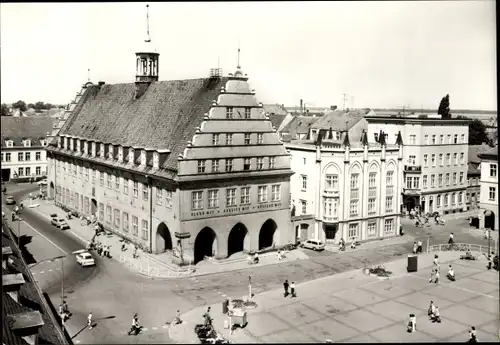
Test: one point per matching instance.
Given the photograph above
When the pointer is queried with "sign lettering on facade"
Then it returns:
(235, 210)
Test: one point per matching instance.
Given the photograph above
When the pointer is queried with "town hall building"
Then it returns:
(194, 166)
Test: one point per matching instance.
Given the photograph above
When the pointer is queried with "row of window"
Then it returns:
(26, 143)
(330, 206)
(113, 217)
(332, 181)
(198, 197)
(232, 113)
(389, 228)
(412, 159)
(456, 199)
(414, 182)
(115, 183)
(247, 140)
(229, 164)
(434, 140)
(21, 156)
(26, 171)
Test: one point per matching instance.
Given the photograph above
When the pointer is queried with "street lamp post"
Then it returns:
(18, 232)
(249, 287)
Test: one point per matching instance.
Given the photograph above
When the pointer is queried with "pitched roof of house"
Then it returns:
(475, 150)
(276, 120)
(30, 299)
(276, 109)
(19, 128)
(164, 117)
(489, 153)
(338, 120)
(300, 125)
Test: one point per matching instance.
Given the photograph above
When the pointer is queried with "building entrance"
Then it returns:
(266, 234)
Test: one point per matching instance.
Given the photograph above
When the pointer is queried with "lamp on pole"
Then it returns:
(249, 287)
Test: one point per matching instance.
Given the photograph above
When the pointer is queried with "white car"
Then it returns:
(313, 244)
(60, 223)
(85, 259)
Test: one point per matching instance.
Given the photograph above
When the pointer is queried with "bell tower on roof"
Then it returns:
(147, 59)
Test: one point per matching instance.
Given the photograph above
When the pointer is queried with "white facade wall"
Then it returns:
(489, 188)
(32, 163)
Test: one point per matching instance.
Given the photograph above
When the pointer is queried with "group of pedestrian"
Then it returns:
(103, 249)
(434, 313)
(417, 247)
(436, 268)
(293, 292)
(64, 311)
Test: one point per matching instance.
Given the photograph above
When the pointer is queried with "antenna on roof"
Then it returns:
(88, 75)
(346, 126)
(238, 66)
(148, 38)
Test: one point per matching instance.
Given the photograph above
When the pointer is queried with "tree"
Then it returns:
(444, 107)
(477, 131)
(21, 105)
(31, 106)
(5, 110)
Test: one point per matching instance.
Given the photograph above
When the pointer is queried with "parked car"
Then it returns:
(59, 223)
(313, 244)
(85, 259)
(42, 183)
(10, 200)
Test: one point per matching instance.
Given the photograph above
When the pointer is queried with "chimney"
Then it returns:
(301, 106)
(12, 283)
(26, 325)
(6, 253)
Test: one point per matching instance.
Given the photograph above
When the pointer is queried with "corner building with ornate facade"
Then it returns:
(194, 166)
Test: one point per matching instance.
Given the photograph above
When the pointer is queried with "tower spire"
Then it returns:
(148, 38)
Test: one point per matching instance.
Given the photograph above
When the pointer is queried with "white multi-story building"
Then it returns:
(435, 160)
(489, 189)
(24, 141)
(345, 190)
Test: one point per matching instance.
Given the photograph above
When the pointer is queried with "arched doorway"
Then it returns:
(266, 234)
(237, 238)
(204, 244)
(163, 238)
(411, 203)
(93, 206)
(489, 220)
(51, 190)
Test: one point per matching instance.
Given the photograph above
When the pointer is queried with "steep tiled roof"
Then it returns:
(475, 150)
(19, 128)
(300, 125)
(491, 152)
(164, 117)
(275, 109)
(276, 120)
(337, 119)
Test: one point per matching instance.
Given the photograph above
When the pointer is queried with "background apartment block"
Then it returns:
(489, 189)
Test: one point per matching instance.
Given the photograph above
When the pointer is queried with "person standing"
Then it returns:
(415, 247)
(285, 286)
(472, 335)
(419, 246)
(451, 240)
(436, 277)
(89, 320)
(292, 289)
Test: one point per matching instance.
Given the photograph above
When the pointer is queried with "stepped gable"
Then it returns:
(164, 117)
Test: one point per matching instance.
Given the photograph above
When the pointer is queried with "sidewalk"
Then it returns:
(271, 300)
(385, 242)
(157, 267)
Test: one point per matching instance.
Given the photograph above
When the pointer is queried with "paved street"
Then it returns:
(114, 293)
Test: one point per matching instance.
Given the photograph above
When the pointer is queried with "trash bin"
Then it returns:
(412, 263)
(225, 306)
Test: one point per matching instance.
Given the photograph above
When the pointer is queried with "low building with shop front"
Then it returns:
(194, 166)
(345, 188)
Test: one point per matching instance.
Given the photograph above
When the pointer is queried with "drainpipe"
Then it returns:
(150, 187)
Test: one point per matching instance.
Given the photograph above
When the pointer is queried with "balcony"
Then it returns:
(411, 191)
(330, 219)
(331, 193)
(413, 168)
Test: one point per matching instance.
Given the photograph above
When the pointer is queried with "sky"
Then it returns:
(380, 54)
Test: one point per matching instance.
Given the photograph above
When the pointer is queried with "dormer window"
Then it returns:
(143, 157)
(59, 142)
(94, 149)
(102, 151)
(131, 153)
(71, 144)
(156, 160)
(66, 143)
(27, 143)
(120, 154)
(78, 145)
(9, 143)
(86, 147)
(110, 151)
(43, 142)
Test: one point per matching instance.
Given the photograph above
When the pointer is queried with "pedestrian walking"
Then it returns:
(134, 255)
(435, 261)
(99, 248)
(472, 335)
(412, 323)
(490, 262)
(451, 240)
(433, 273)
(436, 277)
(292, 290)
(419, 246)
(431, 310)
(415, 247)
(436, 316)
(285, 286)
(89, 320)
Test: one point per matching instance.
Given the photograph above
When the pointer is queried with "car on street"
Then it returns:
(42, 183)
(10, 200)
(85, 259)
(59, 223)
(313, 244)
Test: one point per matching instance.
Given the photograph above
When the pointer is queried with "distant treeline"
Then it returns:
(454, 111)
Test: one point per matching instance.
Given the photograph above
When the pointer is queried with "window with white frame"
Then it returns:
(493, 170)
(433, 181)
(447, 179)
(229, 165)
(460, 196)
(455, 158)
(101, 178)
(159, 196)
(372, 228)
(424, 181)
(409, 180)
(229, 112)
(412, 159)
(20, 156)
(462, 158)
(371, 206)
(125, 186)
(275, 192)
(247, 164)
(247, 139)
(168, 198)
(448, 159)
(328, 207)
(109, 182)
(248, 111)
(433, 160)
(441, 159)
(454, 178)
(434, 139)
(438, 200)
(445, 202)
(229, 139)
(38, 156)
(304, 182)
(332, 182)
(461, 178)
(231, 197)
(197, 200)
(440, 180)
(353, 207)
(389, 226)
(389, 204)
(28, 171)
(260, 138)
(145, 229)
(136, 189)
(145, 192)
(38, 171)
(426, 139)
(108, 214)
(413, 139)
(117, 218)
(125, 221)
(304, 206)
(215, 139)
(353, 230)
(28, 156)
(462, 138)
(260, 163)
(372, 180)
(245, 195)
(117, 182)
(455, 139)
(101, 212)
(389, 178)
(272, 162)
(213, 198)
(354, 182)
(7, 157)
(135, 225)
(453, 199)
(262, 194)
(426, 160)
(492, 193)
(441, 139)
(201, 165)
(215, 165)
(449, 138)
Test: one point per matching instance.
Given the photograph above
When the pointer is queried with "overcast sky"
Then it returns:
(382, 54)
